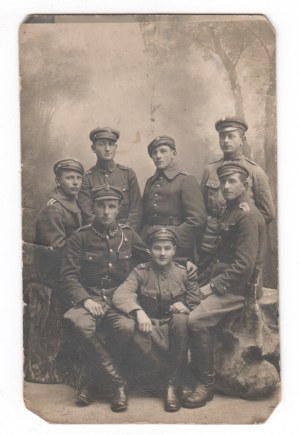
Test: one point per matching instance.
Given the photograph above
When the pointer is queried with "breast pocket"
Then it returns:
(178, 293)
(125, 192)
(93, 266)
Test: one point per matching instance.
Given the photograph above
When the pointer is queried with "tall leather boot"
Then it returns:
(202, 354)
(105, 362)
(178, 362)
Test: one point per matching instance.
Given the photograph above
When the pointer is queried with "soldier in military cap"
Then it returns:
(172, 197)
(239, 254)
(58, 219)
(98, 257)
(231, 132)
(104, 145)
(159, 295)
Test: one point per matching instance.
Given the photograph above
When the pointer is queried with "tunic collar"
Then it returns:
(68, 203)
(161, 269)
(230, 205)
(106, 166)
(170, 172)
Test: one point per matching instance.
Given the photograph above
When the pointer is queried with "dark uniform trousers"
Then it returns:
(259, 194)
(115, 175)
(240, 251)
(172, 198)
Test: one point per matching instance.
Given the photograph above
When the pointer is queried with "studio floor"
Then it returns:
(57, 404)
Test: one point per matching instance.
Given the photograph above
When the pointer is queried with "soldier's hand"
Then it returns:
(191, 270)
(179, 307)
(205, 291)
(143, 321)
(93, 307)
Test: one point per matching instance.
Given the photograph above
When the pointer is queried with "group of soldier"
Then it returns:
(126, 263)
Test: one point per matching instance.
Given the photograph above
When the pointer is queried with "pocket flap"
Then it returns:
(125, 255)
(92, 257)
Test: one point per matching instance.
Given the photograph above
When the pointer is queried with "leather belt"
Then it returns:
(165, 220)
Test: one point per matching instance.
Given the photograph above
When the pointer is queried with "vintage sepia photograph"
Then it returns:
(149, 198)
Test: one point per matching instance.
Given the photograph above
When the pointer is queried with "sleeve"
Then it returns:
(135, 203)
(125, 297)
(192, 293)
(70, 271)
(85, 201)
(238, 274)
(50, 228)
(140, 251)
(194, 212)
(262, 195)
(203, 186)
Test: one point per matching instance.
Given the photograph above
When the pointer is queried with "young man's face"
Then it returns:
(105, 149)
(163, 156)
(162, 252)
(70, 182)
(230, 141)
(106, 211)
(232, 186)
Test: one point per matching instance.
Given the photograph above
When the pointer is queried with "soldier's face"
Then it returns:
(105, 149)
(162, 252)
(232, 186)
(69, 182)
(230, 141)
(106, 211)
(163, 156)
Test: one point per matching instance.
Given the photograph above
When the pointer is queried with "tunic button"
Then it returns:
(158, 185)
(90, 258)
(107, 237)
(111, 250)
(123, 189)
(106, 175)
(160, 178)
(154, 205)
(126, 256)
(109, 265)
(156, 194)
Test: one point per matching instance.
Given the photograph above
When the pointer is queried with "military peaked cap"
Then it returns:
(68, 164)
(231, 124)
(104, 133)
(229, 168)
(161, 140)
(160, 233)
(105, 191)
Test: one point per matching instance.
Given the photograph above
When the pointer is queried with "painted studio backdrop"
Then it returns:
(145, 76)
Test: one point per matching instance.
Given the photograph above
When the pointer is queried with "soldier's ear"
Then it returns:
(93, 148)
(57, 182)
(246, 184)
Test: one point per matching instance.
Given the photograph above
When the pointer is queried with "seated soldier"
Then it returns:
(97, 259)
(160, 295)
(239, 254)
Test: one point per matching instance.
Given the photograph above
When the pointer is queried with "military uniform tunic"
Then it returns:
(115, 175)
(172, 198)
(97, 258)
(240, 250)
(154, 290)
(56, 222)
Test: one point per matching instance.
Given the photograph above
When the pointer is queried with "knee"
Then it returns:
(83, 323)
(179, 323)
(123, 329)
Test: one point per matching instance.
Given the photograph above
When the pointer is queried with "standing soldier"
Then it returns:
(58, 219)
(172, 198)
(104, 145)
(231, 137)
(97, 259)
(56, 222)
(239, 255)
(160, 295)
